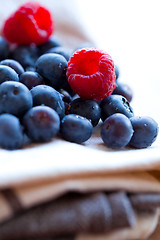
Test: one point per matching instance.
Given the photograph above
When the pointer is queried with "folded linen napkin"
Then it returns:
(101, 194)
(77, 203)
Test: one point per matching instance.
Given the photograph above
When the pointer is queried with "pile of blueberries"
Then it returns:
(37, 103)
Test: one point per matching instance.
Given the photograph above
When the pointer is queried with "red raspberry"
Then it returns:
(91, 73)
(31, 23)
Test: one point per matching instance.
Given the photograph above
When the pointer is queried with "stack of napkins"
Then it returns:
(62, 190)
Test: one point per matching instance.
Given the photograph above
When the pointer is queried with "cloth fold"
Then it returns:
(33, 193)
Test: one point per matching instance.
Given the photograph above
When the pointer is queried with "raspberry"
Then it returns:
(91, 73)
(31, 23)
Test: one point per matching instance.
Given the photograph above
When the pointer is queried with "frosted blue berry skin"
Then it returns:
(145, 131)
(26, 55)
(53, 68)
(60, 50)
(115, 104)
(8, 74)
(124, 90)
(117, 72)
(31, 79)
(85, 45)
(11, 132)
(4, 48)
(51, 43)
(65, 96)
(41, 123)
(116, 131)
(87, 108)
(15, 98)
(16, 66)
(46, 95)
(75, 128)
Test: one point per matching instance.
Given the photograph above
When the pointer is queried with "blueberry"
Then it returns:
(51, 43)
(31, 79)
(65, 96)
(7, 74)
(117, 72)
(16, 66)
(85, 45)
(60, 50)
(75, 128)
(15, 98)
(116, 131)
(52, 67)
(41, 123)
(66, 99)
(67, 107)
(87, 108)
(145, 132)
(30, 69)
(4, 49)
(124, 90)
(46, 95)
(26, 55)
(11, 132)
(69, 89)
(115, 104)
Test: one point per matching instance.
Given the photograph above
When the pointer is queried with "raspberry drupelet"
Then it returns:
(91, 73)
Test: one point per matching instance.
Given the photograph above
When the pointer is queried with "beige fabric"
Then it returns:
(156, 233)
(5, 209)
(130, 182)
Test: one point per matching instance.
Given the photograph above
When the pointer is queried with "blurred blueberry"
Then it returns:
(60, 50)
(117, 71)
(8, 74)
(31, 79)
(11, 132)
(51, 43)
(85, 45)
(124, 90)
(26, 55)
(4, 48)
(16, 66)
(65, 96)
